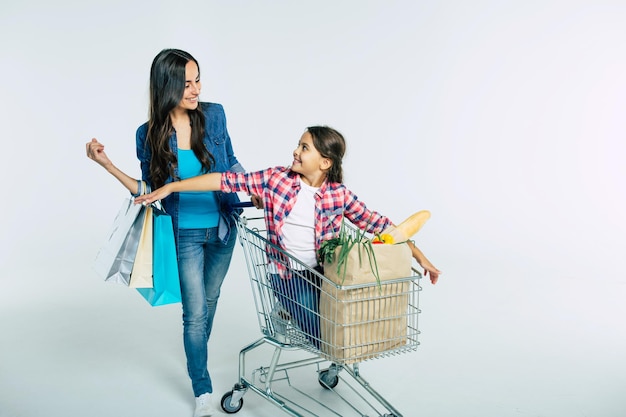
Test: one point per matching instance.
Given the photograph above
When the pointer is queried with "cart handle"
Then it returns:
(232, 207)
(242, 204)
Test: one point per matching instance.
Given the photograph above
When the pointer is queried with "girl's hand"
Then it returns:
(95, 152)
(158, 194)
(430, 270)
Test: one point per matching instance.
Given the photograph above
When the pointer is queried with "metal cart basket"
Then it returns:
(327, 333)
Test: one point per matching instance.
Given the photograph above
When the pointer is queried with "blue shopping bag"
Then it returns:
(166, 282)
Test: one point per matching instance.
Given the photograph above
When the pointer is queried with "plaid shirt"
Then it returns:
(279, 189)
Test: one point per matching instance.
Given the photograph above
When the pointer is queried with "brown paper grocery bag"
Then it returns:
(368, 319)
(393, 261)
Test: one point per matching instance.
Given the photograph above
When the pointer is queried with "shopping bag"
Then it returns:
(114, 261)
(166, 283)
(141, 275)
(361, 315)
(391, 261)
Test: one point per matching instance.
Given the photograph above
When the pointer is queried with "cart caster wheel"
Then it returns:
(227, 406)
(328, 380)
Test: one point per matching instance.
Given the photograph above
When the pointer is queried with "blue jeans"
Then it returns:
(203, 261)
(300, 296)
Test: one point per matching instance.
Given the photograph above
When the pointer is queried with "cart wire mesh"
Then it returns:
(352, 323)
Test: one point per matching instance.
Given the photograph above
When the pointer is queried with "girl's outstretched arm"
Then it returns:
(206, 182)
(429, 268)
(95, 152)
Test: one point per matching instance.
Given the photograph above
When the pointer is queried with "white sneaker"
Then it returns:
(204, 406)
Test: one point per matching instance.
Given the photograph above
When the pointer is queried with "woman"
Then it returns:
(184, 138)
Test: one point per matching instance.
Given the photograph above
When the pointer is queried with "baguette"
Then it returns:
(405, 230)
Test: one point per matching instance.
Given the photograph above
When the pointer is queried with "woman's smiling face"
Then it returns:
(192, 87)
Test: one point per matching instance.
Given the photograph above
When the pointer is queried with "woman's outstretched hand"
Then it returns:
(95, 152)
(158, 194)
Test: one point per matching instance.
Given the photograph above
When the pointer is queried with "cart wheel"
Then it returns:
(327, 380)
(226, 405)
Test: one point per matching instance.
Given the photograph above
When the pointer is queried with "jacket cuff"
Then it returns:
(237, 168)
(140, 191)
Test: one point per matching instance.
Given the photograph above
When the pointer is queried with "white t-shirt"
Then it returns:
(299, 228)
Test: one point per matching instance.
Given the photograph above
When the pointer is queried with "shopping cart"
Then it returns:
(328, 336)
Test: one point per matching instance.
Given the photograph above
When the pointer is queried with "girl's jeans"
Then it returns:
(300, 296)
(203, 261)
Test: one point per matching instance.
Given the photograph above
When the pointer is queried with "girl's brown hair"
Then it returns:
(330, 144)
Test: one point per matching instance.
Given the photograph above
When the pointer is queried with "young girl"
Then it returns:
(304, 205)
(183, 138)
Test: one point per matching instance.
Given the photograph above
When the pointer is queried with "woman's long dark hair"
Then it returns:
(167, 86)
(330, 144)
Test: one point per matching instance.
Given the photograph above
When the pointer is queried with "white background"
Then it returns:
(505, 119)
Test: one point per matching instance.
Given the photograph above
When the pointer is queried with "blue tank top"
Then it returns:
(198, 209)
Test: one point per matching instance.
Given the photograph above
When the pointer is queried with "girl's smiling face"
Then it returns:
(192, 87)
(308, 162)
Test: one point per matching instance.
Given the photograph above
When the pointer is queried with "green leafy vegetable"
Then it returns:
(345, 242)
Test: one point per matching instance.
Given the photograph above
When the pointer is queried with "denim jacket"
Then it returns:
(217, 141)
